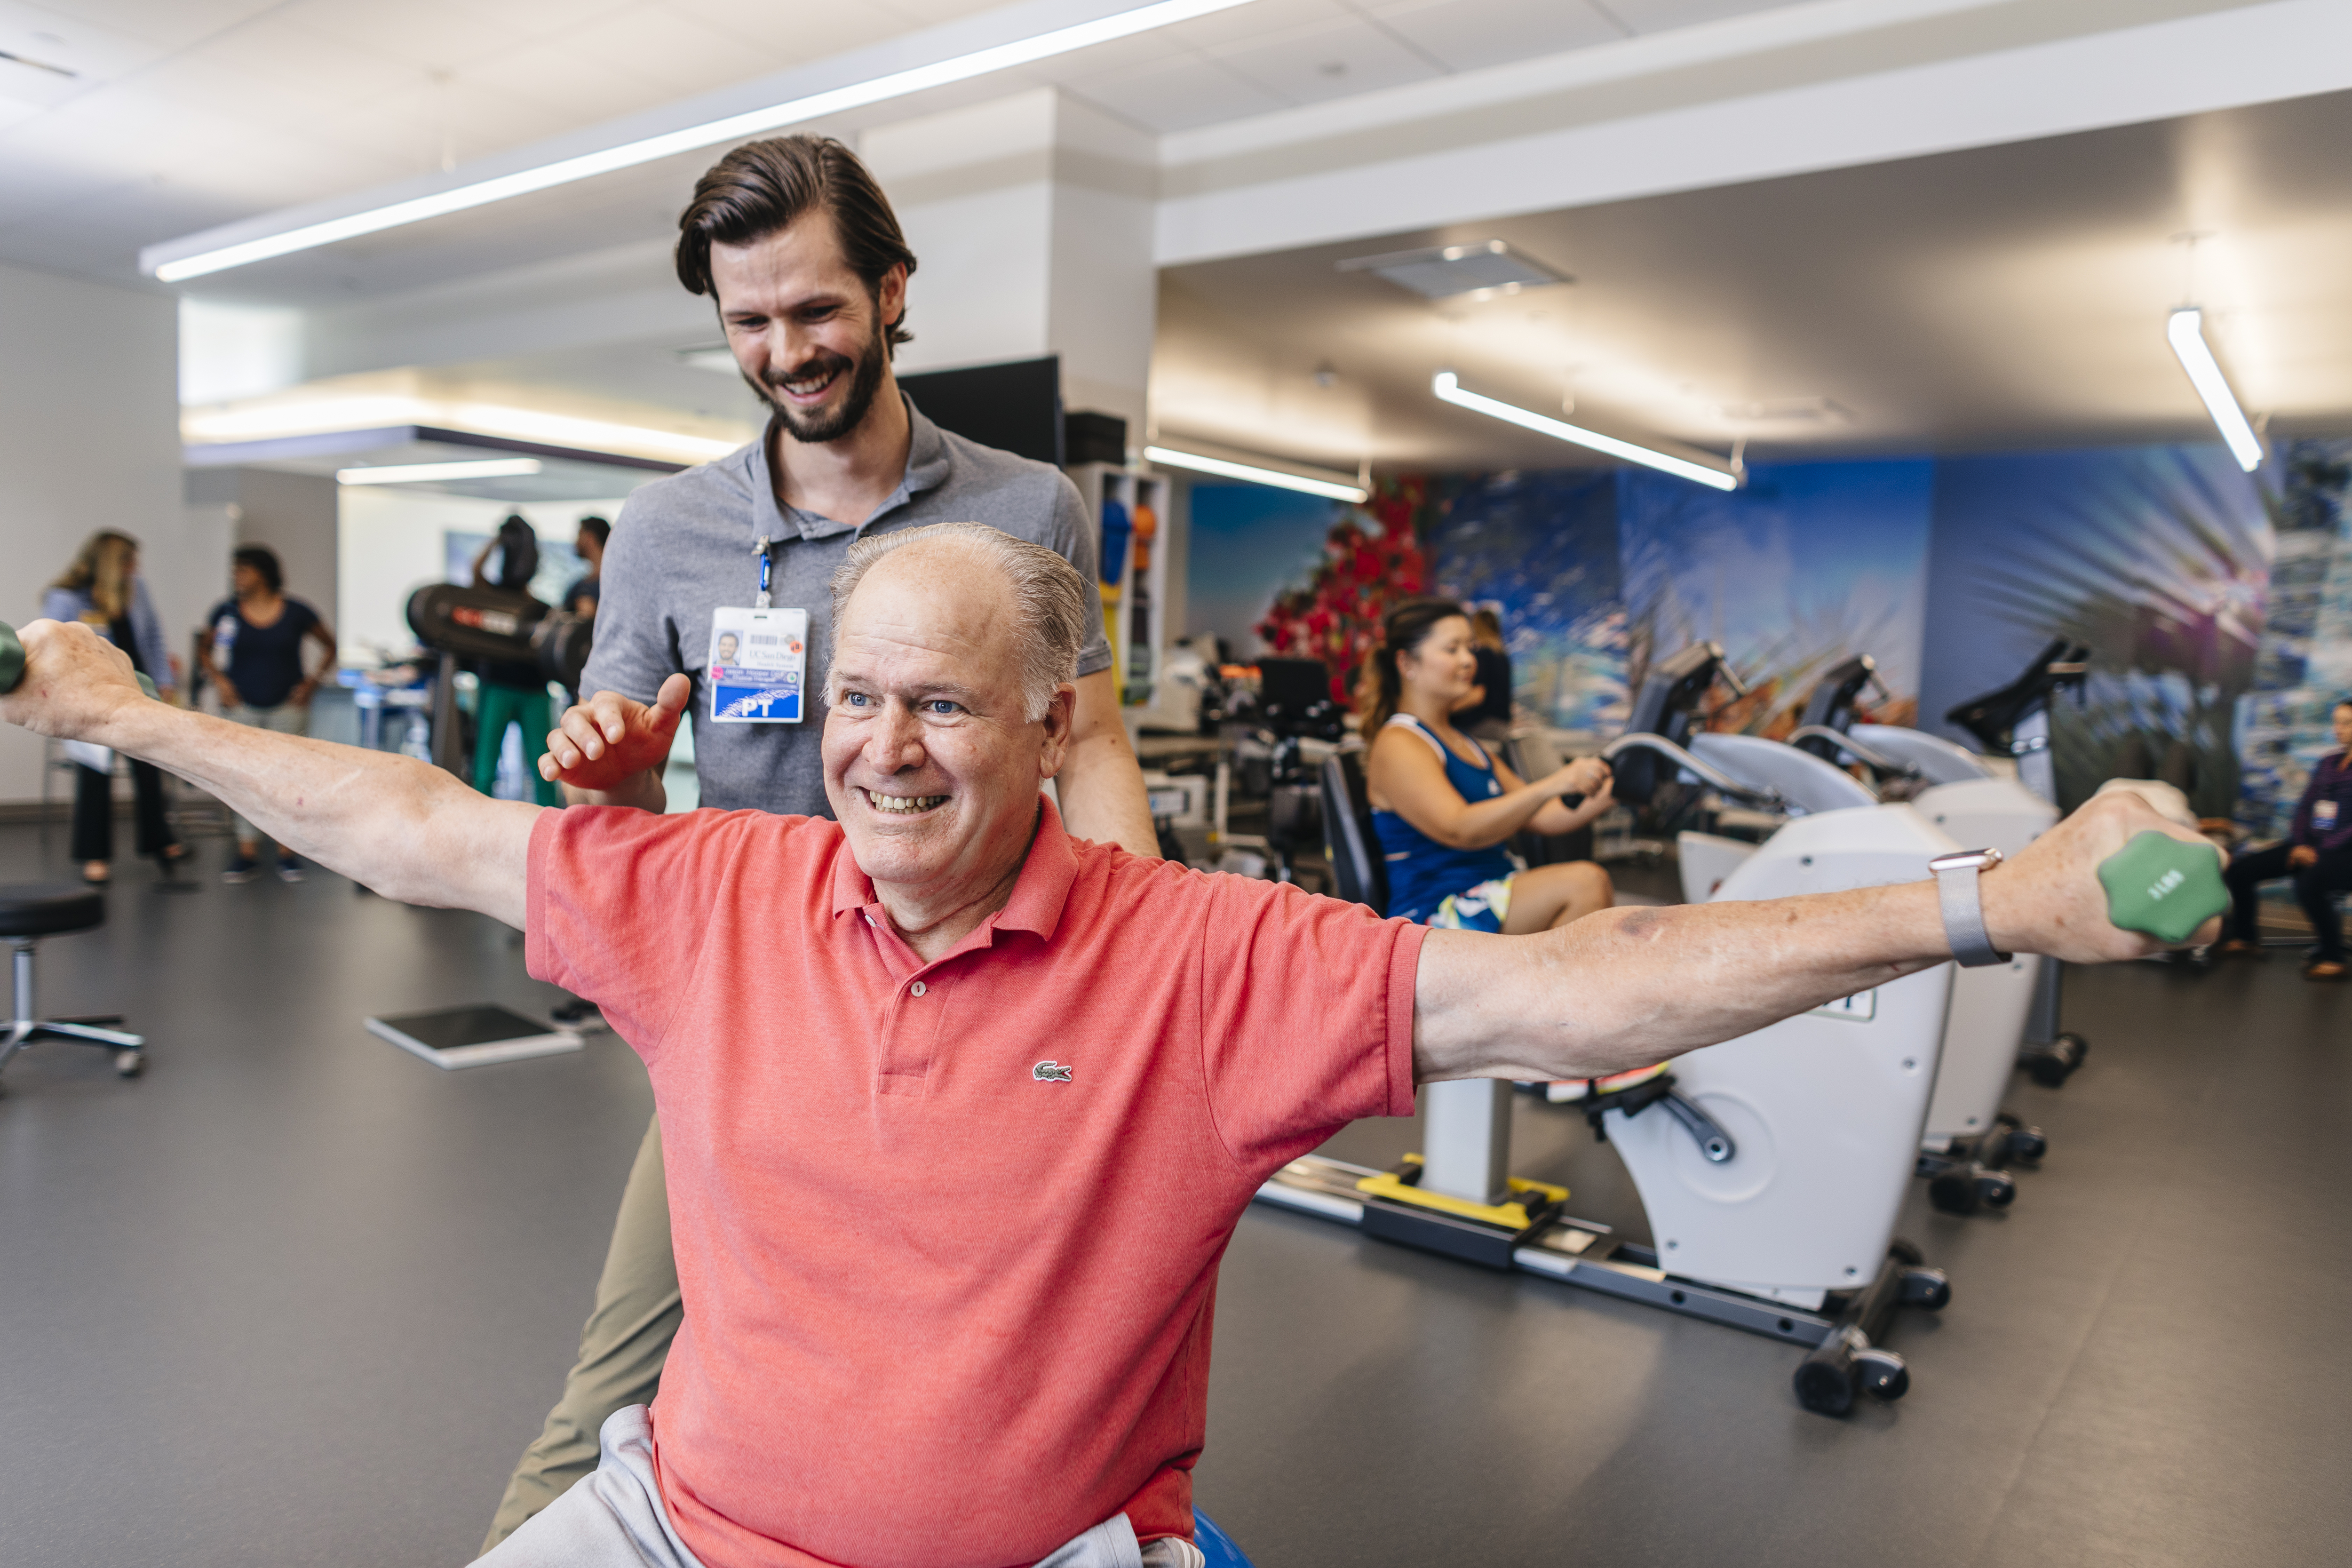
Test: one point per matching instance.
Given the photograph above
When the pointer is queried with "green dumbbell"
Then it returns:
(2163, 885)
(11, 662)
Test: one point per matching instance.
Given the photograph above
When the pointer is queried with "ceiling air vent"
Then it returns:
(1482, 271)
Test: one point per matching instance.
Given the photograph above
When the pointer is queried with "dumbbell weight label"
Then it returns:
(2163, 885)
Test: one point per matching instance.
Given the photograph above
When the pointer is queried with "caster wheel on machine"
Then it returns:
(2028, 1144)
(1955, 1190)
(2051, 1065)
(1930, 1289)
(1882, 1373)
(1825, 1380)
(129, 1064)
(1995, 1189)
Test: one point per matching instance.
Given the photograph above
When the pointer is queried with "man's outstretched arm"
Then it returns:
(1627, 987)
(406, 828)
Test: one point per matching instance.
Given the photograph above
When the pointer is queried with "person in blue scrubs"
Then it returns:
(1442, 807)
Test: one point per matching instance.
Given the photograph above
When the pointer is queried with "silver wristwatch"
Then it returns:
(1963, 909)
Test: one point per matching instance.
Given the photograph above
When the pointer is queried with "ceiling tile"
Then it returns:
(1328, 61)
(162, 25)
(930, 12)
(783, 35)
(1661, 16)
(1176, 95)
(307, 68)
(683, 56)
(1257, 20)
(1155, 47)
(428, 33)
(1469, 35)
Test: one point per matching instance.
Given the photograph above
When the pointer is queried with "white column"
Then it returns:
(1031, 219)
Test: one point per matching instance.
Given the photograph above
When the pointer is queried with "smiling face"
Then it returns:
(1442, 667)
(807, 333)
(931, 761)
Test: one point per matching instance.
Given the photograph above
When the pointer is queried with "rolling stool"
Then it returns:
(29, 911)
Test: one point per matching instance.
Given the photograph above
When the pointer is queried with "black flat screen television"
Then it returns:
(1016, 406)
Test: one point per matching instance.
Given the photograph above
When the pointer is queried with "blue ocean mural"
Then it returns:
(1542, 548)
(2157, 557)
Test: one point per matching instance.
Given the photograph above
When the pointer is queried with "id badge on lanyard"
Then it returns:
(759, 660)
(2322, 813)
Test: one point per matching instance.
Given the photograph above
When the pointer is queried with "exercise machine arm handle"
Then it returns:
(1714, 778)
(1876, 761)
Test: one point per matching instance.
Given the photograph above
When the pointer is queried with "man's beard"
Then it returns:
(865, 381)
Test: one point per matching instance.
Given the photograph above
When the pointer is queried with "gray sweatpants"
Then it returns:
(614, 1519)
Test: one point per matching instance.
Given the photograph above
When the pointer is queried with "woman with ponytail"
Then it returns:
(1443, 808)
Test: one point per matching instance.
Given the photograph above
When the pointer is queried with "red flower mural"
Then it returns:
(1372, 560)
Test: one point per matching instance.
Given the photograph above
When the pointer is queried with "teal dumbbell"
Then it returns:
(11, 662)
(2163, 885)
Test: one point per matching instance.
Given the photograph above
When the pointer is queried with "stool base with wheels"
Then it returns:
(29, 911)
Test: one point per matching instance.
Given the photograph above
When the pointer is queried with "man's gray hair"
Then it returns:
(1053, 603)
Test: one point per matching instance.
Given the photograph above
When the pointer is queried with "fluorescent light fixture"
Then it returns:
(2185, 332)
(267, 419)
(1168, 458)
(424, 473)
(734, 127)
(1449, 390)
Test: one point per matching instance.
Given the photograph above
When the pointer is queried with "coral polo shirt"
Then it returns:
(947, 1233)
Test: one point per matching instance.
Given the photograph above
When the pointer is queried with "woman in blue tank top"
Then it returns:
(1443, 808)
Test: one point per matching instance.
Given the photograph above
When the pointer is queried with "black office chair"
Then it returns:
(1348, 838)
(29, 911)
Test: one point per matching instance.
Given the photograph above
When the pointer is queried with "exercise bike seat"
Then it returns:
(48, 908)
(1993, 718)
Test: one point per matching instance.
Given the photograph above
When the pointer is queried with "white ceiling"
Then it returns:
(2002, 296)
(186, 114)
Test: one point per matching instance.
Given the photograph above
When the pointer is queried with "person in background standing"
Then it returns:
(582, 598)
(251, 648)
(1487, 712)
(511, 692)
(102, 589)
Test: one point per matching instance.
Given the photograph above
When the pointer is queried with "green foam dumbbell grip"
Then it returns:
(2163, 885)
(11, 662)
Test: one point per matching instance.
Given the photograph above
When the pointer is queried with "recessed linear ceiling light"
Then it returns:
(2185, 332)
(424, 473)
(1482, 271)
(1329, 489)
(1449, 390)
(170, 268)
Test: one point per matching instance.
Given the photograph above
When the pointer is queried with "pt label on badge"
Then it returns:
(759, 662)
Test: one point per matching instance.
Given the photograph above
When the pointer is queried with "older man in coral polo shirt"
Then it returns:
(962, 1111)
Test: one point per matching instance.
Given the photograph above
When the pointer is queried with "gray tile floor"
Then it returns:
(296, 1297)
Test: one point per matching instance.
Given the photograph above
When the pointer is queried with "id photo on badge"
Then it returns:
(759, 660)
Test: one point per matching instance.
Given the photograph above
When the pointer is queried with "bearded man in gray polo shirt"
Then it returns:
(801, 252)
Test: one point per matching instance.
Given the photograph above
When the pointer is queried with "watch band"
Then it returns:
(1958, 897)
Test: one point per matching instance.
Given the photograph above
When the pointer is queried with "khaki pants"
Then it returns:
(622, 1348)
(286, 719)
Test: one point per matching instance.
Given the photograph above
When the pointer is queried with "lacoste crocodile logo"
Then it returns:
(1051, 1072)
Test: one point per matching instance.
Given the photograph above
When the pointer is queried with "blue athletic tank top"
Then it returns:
(1424, 873)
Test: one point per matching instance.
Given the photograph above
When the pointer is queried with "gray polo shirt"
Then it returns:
(684, 545)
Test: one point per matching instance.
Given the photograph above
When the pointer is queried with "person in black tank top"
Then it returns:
(1422, 670)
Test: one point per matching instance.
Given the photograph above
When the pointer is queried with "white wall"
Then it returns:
(390, 545)
(89, 438)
